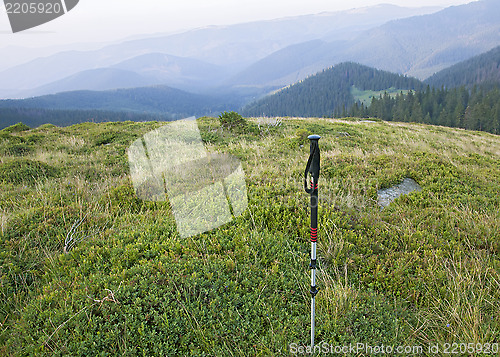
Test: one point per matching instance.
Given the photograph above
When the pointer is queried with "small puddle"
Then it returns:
(387, 195)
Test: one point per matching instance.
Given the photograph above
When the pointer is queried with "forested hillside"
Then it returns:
(466, 95)
(483, 69)
(476, 109)
(328, 92)
(350, 89)
(154, 99)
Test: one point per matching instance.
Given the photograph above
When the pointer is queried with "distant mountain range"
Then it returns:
(223, 51)
(293, 66)
(423, 45)
(482, 69)
(172, 102)
(141, 71)
(418, 46)
(334, 90)
(328, 92)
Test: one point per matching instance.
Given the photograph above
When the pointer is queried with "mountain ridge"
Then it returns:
(328, 92)
(152, 99)
(141, 71)
(417, 46)
(235, 47)
(481, 69)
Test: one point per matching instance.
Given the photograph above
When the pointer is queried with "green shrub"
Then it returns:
(16, 128)
(233, 121)
(13, 145)
(124, 197)
(104, 139)
(21, 149)
(114, 136)
(25, 171)
(210, 137)
(10, 139)
(47, 126)
(35, 138)
(301, 135)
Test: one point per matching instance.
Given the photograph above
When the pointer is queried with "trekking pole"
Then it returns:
(313, 169)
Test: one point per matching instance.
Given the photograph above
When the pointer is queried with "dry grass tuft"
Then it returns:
(465, 309)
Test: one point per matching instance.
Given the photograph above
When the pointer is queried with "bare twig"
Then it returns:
(64, 323)
(73, 236)
(110, 297)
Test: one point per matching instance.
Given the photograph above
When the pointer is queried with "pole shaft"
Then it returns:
(313, 168)
(314, 238)
(313, 312)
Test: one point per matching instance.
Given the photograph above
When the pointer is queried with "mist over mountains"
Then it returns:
(232, 48)
(226, 67)
(417, 46)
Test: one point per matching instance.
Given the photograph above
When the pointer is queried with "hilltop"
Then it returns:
(423, 270)
(330, 91)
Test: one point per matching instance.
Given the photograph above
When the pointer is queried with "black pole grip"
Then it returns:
(314, 151)
(312, 166)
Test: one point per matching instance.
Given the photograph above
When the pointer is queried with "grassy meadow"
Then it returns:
(88, 269)
(365, 96)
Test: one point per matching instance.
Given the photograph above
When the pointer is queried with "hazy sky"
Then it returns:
(109, 20)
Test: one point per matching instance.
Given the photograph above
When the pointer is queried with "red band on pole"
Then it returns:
(314, 235)
(314, 186)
